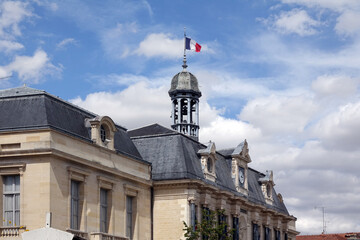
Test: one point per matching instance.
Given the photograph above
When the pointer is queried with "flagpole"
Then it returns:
(184, 61)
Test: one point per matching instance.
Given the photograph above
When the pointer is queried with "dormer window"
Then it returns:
(267, 184)
(239, 167)
(102, 131)
(208, 160)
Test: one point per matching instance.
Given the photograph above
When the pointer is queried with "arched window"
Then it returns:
(209, 165)
(103, 133)
(268, 190)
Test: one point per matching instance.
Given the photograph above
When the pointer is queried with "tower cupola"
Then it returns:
(185, 94)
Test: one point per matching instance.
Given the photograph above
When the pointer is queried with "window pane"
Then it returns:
(8, 202)
(9, 180)
(17, 183)
(8, 218)
(17, 202)
(103, 209)
(129, 212)
(17, 218)
(74, 217)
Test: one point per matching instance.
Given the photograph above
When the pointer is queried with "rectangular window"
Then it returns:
(11, 200)
(267, 235)
(103, 210)
(256, 232)
(75, 205)
(277, 234)
(222, 220)
(129, 216)
(236, 234)
(206, 217)
(193, 215)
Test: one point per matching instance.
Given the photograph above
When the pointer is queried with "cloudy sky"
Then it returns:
(284, 74)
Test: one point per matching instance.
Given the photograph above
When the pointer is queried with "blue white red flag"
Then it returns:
(192, 45)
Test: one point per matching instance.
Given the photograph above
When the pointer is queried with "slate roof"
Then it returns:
(174, 156)
(26, 108)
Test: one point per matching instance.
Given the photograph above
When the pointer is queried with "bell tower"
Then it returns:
(185, 94)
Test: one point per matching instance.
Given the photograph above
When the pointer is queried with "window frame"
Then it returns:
(129, 216)
(80, 176)
(14, 193)
(104, 208)
(75, 224)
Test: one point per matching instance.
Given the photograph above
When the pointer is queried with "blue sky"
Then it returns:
(284, 74)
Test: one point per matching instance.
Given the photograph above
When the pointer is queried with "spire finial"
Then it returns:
(184, 61)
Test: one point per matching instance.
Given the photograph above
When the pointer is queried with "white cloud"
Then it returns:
(295, 21)
(227, 133)
(135, 106)
(348, 11)
(279, 114)
(31, 69)
(339, 129)
(10, 46)
(330, 4)
(338, 85)
(161, 45)
(65, 42)
(12, 13)
(347, 23)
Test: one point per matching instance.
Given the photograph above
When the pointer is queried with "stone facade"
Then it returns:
(48, 160)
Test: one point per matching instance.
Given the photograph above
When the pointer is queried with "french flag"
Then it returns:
(192, 45)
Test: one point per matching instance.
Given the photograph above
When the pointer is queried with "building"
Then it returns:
(331, 236)
(83, 168)
(189, 176)
(100, 181)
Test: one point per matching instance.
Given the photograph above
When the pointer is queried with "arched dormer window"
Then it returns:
(102, 131)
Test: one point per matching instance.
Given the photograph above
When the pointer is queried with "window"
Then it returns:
(102, 133)
(209, 165)
(267, 235)
(75, 205)
(129, 216)
(11, 200)
(241, 176)
(206, 217)
(236, 235)
(103, 210)
(193, 215)
(256, 232)
(268, 191)
(277, 234)
(222, 221)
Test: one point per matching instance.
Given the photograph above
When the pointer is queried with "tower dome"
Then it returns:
(184, 92)
(184, 82)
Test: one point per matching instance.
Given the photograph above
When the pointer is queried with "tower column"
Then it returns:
(188, 114)
(179, 114)
(173, 112)
(197, 112)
